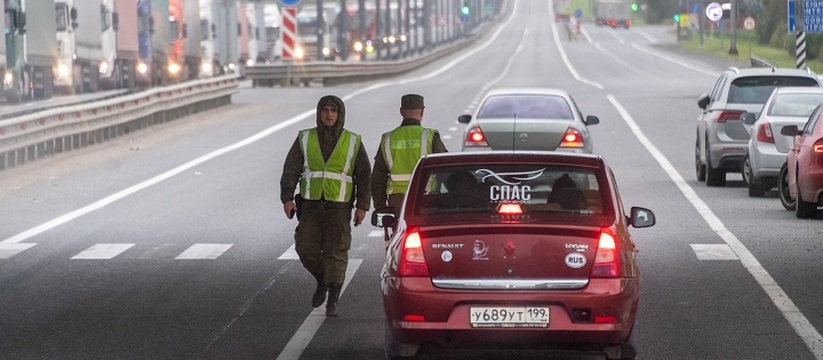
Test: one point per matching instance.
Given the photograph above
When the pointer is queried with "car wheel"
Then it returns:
(757, 187)
(714, 176)
(803, 209)
(396, 350)
(783, 189)
(699, 166)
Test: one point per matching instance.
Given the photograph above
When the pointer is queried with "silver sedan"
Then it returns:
(528, 119)
(767, 148)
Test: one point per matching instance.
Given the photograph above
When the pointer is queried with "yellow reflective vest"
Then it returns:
(402, 148)
(332, 179)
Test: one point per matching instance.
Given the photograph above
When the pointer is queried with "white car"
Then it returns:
(528, 119)
(767, 148)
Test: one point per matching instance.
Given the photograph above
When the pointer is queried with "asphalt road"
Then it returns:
(171, 243)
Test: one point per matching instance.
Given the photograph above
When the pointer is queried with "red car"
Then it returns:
(510, 249)
(804, 165)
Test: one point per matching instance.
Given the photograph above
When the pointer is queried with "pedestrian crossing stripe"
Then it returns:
(102, 251)
(204, 251)
(713, 252)
(7, 250)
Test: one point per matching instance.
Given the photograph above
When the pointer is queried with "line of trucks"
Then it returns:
(82, 46)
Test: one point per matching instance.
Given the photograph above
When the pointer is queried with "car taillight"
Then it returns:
(509, 209)
(607, 258)
(475, 137)
(818, 147)
(729, 115)
(571, 139)
(412, 261)
(764, 133)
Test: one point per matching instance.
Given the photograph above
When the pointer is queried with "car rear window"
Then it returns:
(757, 89)
(526, 107)
(799, 105)
(536, 188)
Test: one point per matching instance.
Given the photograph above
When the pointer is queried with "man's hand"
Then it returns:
(290, 208)
(359, 215)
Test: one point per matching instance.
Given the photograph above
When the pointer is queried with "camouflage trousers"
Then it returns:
(322, 239)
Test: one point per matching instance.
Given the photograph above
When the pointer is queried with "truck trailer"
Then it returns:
(191, 47)
(614, 13)
(80, 45)
(220, 47)
(127, 49)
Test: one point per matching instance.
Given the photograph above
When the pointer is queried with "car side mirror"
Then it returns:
(703, 101)
(383, 218)
(641, 217)
(592, 120)
(748, 118)
(464, 119)
(789, 130)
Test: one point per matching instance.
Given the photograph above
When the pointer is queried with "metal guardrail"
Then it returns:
(53, 131)
(334, 73)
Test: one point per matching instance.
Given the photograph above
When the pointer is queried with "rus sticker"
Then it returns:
(575, 260)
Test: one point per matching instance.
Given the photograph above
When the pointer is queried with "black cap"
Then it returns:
(411, 101)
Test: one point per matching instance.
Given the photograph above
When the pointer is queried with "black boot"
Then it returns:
(334, 296)
(320, 293)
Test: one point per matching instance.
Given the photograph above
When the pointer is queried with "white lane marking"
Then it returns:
(674, 60)
(240, 144)
(376, 233)
(290, 254)
(563, 52)
(102, 251)
(796, 319)
(713, 252)
(446, 137)
(300, 340)
(647, 36)
(204, 251)
(616, 58)
(9, 250)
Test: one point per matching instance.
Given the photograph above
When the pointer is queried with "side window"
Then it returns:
(718, 88)
(813, 120)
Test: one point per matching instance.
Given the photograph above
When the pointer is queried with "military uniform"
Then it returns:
(399, 151)
(333, 170)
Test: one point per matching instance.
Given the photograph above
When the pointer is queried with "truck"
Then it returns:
(28, 50)
(309, 25)
(153, 42)
(177, 36)
(220, 47)
(254, 12)
(108, 22)
(80, 45)
(126, 45)
(244, 35)
(273, 49)
(614, 13)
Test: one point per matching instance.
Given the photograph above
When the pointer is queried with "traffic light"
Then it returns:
(676, 18)
(634, 6)
(465, 8)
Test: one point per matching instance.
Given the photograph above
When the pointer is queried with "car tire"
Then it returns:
(699, 166)
(803, 209)
(783, 189)
(714, 176)
(757, 187)
(396, 350)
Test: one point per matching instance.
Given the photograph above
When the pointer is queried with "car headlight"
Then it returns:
(250, 62)
(174, 68)
(62, 70)
(142, 68)
(103, 68)
(206, 67)
(8, 78)
(299, 53)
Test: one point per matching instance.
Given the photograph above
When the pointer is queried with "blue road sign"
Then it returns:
(578, 13)
(289, 2)
(813, 16)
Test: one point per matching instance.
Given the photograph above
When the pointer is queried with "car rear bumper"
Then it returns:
(766, 161)
(446, 314)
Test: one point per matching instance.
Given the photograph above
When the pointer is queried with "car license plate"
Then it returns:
(509, 316)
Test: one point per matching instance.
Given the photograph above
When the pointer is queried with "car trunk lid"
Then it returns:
(525, 134)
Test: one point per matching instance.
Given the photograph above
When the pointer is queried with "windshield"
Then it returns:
(536, 188)
(61, 17)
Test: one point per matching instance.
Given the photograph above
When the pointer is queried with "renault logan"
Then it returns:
(511, 249)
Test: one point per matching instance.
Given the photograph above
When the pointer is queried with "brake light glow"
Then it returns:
(572, 139)
(412, 260)
(607, 259)
(818, 147)
(729, 115)
(475, 137)
(510, 209)
(764, 133)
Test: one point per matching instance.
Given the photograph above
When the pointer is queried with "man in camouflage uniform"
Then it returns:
(399, 151)
(333, 170)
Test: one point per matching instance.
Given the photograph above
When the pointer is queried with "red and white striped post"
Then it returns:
(288, 32)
